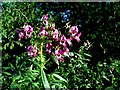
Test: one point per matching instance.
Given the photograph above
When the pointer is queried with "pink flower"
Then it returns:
(73, 30)
(77, 37)
(55, 34)
(43, 32)
(30, 54)
(34, 50)
(28, 31)
(28, 28)
(42, 28)
(55, 37)
(63, 40)
(21, 35)
(31, 51)
(69, 41)
(45, 23)
(48, 47)
(59, 57)
(30, 48)
(45, 17)
(34, 54)
(44, 20)
(58, 54)
(66, 50)
(48, 51)
(52, 28)
(74, 34)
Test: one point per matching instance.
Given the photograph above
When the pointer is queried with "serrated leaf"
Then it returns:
(59, 77)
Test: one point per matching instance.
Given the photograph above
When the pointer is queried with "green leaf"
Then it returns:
(6, 73)
(18, 43)
(106, 78)
(71, 53)
(118, 69)
(59, 77)
(78, 54)
(44, 79)
(87, 55)
(53, 86)
(6, 68)
(12, 46)
(18, 77)
(6, 45)
(21, 81)
(109, 88)
(35, 84)
(35, 71)
(36, 63)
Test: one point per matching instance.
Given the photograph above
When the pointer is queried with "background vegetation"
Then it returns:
(96, 65)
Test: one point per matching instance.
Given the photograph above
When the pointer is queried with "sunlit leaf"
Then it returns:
(44, 80)
(59, 77)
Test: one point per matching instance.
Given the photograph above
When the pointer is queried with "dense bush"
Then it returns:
(92, 63)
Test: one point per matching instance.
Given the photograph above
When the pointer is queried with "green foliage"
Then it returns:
(80, 74)
(59, 77)
(44, 79)
(98, 67)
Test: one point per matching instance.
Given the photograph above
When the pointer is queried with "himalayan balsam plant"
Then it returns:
(49, 38)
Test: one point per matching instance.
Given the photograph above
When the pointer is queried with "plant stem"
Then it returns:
(41, 56)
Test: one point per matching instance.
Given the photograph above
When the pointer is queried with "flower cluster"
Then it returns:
(74, 33)
(62, 49)
(44, 20)
(48, 47)
(43, 32)
(31, 51)
(57, 43)
(20, 34)
(26, 32)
